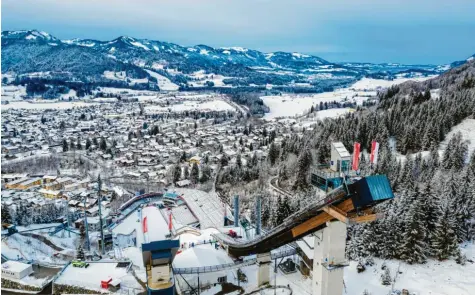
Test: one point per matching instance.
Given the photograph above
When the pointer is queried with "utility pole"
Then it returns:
(99, 199)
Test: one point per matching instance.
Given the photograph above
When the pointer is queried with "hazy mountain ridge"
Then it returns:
(32, 51)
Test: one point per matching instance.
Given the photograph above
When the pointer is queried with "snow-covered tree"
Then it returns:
(414, 247)
(80, 253)
(195, 173)
(444, 239)
(386, 277)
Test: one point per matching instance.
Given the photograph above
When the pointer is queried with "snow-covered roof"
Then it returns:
(15, 266)
(341, 150)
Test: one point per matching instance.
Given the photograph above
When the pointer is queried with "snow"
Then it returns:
(130, 224)
(156, 224)
(295, 105)
(372, 84)
(29, 248)
(291, 105)
(434, 277)
(333, 113)
(467, 129)
(215, 105)
(46, 105)
(29, 280)
(206, 206)
(204, 52)
(201, 255)
(299, 55)
(163, 82)
(90, 277)
(11, 92)
(239, 49)
(138, 44)
(205, 235)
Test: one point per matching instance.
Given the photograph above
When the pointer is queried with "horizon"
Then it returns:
(391, 32)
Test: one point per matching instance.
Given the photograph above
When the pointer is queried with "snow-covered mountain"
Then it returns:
(87, 59)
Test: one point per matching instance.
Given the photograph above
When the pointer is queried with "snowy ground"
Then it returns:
(373, 84)
(90, 277)
(13, 93)
(18, 246)
(215, 105)
(206, 206)
(163, 82)
(434, 277)
(46, 105)
(290, 105)
(128, 225)
(467, 128)
(157, 227)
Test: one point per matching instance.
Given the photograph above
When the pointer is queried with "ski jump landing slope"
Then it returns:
(346, 200)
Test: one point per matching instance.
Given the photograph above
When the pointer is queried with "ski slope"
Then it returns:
(157, 227)
(163, 82)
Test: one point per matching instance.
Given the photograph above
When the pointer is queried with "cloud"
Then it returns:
(359, 30)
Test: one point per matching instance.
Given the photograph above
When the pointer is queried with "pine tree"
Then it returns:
(303, 168)
(461, 206)
(6, 216)
(186, 172)
(460, 258)
(195, 173)
(103, 145)
(205, 173)
(444, 240)
(224, 160)
(414, 246)
(273, 153)
(65, 145)
(386, 277)
(80, 253)
(278, 214)
(176, 173)
(286, 209)
(431, 211)
(82, 232)
(238, 160)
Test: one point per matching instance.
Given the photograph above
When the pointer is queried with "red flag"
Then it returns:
(170, 221)
(356, 156)
(144, 224)
(374, 152)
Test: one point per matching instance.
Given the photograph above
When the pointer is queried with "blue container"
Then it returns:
(370, 190)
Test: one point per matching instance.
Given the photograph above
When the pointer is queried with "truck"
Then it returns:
(81, 264)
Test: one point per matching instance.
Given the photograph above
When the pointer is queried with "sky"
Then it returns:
(402, 31)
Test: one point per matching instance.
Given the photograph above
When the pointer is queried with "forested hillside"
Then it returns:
(434, 208)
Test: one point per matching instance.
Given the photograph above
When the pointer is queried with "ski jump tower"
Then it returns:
(349, 198)
(329, 257)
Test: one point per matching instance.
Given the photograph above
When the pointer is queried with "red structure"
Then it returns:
(105, 284)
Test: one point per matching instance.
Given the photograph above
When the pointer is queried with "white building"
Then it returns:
(340, 157)
(16, 270)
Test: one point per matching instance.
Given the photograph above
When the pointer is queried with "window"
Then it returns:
(222, 279)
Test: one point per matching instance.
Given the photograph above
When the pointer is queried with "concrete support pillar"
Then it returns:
(329, 256)
(264, 263)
